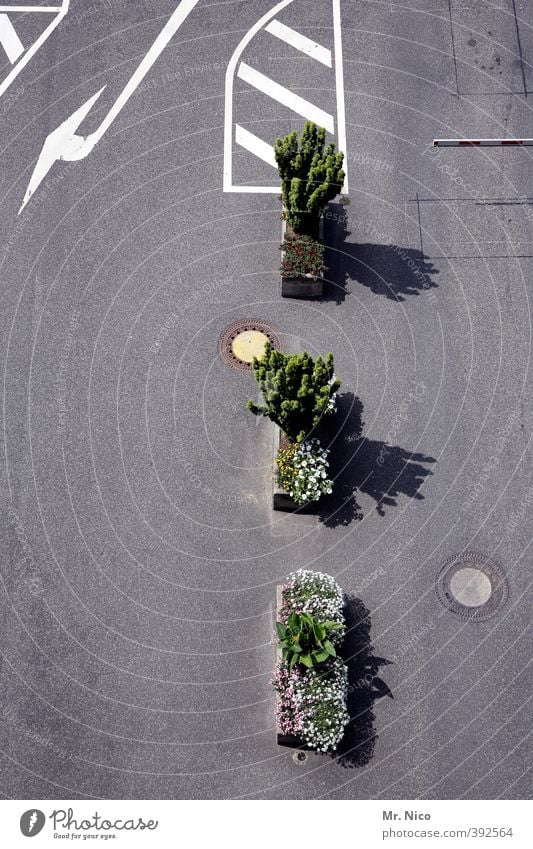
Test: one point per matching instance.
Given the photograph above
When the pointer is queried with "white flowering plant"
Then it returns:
(320, 697)
(333, 383)
(315, 593)
(302, 471)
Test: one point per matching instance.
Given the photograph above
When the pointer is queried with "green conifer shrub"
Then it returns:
(297, 390)
(311, 175)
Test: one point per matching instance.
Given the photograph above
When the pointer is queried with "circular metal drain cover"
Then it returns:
(243, 340)
(471, 586)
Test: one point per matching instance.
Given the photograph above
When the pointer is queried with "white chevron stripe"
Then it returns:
(10, 40)
(300, 42)
(286, 97)
(270, 23)
(59, 13)
(255, 145)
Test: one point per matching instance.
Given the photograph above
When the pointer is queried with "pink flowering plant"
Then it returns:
(285, 683)
(311, 702)
(311, 705)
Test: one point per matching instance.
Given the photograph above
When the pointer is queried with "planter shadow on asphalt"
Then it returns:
(387, 269)
(364, 685)
(369, 466)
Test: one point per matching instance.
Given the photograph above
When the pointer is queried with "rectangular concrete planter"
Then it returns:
(281, 500)
(307, 286)
(288, 741)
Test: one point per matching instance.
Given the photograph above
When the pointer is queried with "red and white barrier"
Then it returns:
(481, 142)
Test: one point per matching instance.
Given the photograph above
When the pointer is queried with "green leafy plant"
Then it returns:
(302, 255)
(311, 175)
(306, 641)
(297, 390)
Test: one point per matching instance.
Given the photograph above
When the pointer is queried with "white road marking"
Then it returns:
(300, 42)
(255, 145)
(9, 39)
(339, 86)
(323, 118)
(64, 144)
(30, 8)
(254, 190)
(59, 12)
(286, 97)
(228, 103)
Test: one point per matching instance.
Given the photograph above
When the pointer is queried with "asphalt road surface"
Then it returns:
(139, 553)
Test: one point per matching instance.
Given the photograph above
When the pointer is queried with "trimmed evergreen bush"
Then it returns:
(297, 390)
(311, 175)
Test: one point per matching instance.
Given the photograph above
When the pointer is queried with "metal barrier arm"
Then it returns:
(481, 142)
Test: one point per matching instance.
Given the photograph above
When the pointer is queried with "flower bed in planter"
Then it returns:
(305, 285)
(311, 710)
(300, 474)
(298, 391)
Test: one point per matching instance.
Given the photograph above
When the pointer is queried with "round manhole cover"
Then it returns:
(243, 340)
(472, 586)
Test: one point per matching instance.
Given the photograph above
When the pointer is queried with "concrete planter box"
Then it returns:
(307, 286)
(288, 741)
(281, 500)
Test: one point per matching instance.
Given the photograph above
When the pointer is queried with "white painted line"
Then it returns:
(254, 190)
(286, 97)
(9, 40)
(227, 184)
(31, 9)
(339, 86)
(255, 145)
(63, 143)
(300, 42)
(31, 51)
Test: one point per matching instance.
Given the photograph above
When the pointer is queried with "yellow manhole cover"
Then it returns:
(245, 339)
(249, 344)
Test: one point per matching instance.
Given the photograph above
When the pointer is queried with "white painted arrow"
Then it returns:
(63, 143)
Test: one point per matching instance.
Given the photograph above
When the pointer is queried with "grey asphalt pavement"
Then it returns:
(139, 554)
